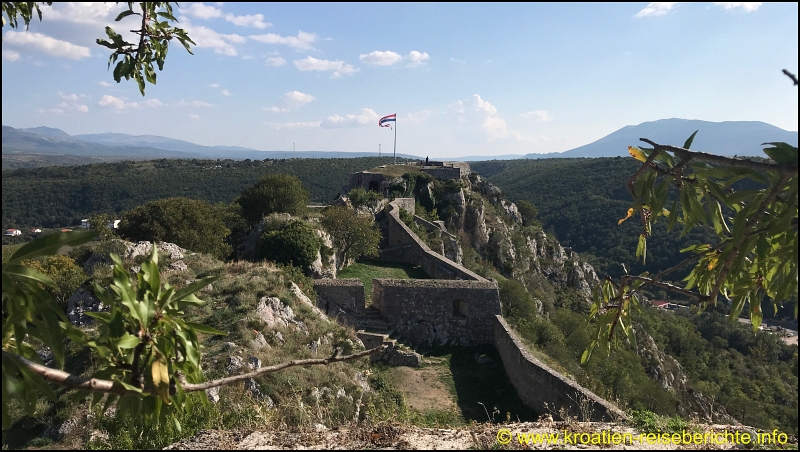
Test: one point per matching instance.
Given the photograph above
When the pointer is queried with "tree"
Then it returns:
(755, 254)
(64, 272)
(295, 244)
(528, 211)
(273, 193)
(100, 223)
(189, 223)
(135, 59)
(354, 235)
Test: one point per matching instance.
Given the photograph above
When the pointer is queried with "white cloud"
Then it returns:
(457, 106)
(273, 109)
(154, 103)
(275, 61)
(205, 37)
(67, 96)
(417, 58)
(82, 108)
(82, 13)
(201, 11)
(225, 92)
(478, 118)
(294, 125)
(418, 117)
(58, 111)
(250, 20)
(302, 41)
(291, 101)
(539, 115)
(193, 103)
(456, 60)
(214, 85)
(367, 116)
(388, 58)
(338, 67)
(193, 116)
(745, 6)
(378, 58)
(10, 55)
(104, 84)
(43, 43)
(656, 9)
(120, 104)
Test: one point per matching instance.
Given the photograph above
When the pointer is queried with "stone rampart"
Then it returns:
(342, 299)
(537, 384)
(404, 246)
(439, 312)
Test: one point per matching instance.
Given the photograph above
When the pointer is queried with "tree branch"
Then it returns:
(70, 381)
(665, 285)
(722, 160)
(791, 76)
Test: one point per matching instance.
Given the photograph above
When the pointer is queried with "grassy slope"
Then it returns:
(366, 270)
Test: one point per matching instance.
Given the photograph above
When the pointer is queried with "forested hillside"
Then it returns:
(581, 201)
(62, 196)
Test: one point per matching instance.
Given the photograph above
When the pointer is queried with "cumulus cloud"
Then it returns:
(367, 117)
(121, 104)
(275, 61)
(67, 96)
(539, 115)
(493, 124)
(82, 12)
(656, 9)
(290, 101)
(43, 43)
(337, 67)
(388, 58)
(10, 55)
(378, 58)
(193, 116)
(294, 125)
(214, 85)
(225, 92)
(478, 119)
(205, 37)
(745, 6)
(249, 20)
(201, 11)
(417, 58)
(82, 108)
(302, 41)
(104, 84)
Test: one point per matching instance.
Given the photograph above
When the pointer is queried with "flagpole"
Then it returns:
(395, 140)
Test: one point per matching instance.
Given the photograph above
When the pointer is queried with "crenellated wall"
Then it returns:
(439, 312)
(539, 385)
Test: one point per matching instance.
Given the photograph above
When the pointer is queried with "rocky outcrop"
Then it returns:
(669, 374)
(81, 302)
(129, 251)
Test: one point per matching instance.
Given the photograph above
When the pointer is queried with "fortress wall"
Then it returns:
(438, 312)
(405, 246)
(537, 384)
(342, 298)
(443, 173)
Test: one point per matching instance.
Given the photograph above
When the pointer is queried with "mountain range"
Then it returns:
(723, 138)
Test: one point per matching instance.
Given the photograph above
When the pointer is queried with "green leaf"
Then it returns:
(688, 143)
(21, 271)
(123, 15)
(782, 153)
(199, 327)
(128, 341)
(50, 244)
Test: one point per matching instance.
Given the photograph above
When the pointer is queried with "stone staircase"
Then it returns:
(375, 331)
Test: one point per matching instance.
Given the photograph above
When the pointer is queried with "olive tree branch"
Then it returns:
(70, 381)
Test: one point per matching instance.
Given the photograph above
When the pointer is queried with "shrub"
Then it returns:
(273, 193)
(294, 244)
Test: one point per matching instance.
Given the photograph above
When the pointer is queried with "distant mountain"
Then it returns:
(45, 140)
(49, 132)
(723, 138)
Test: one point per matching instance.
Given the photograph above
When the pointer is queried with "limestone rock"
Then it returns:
(213, 394)
(273, 312)
(83, 300)
(178, 266)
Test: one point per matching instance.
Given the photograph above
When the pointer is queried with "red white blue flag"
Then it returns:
(384, 122)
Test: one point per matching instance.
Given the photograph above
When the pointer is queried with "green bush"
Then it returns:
(360, 197)
(273, 193)
(188, 223)
(294, 244)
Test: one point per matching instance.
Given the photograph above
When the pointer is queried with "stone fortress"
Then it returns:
(456, 307)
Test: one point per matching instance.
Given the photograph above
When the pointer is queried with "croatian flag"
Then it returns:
(387, 119)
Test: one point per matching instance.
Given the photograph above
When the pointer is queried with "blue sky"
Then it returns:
(464, 79)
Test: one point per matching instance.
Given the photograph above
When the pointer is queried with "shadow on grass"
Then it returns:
(479, 378)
